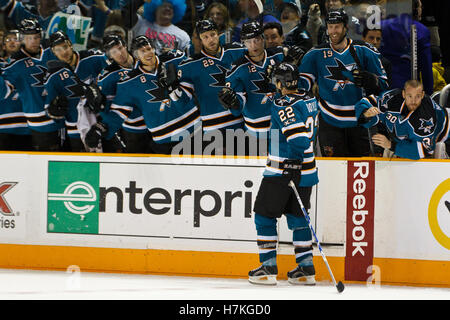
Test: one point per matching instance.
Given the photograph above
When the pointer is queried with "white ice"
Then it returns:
(59, 285)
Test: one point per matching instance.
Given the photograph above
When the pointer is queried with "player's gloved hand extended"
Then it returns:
(292, 169)
(95, 99)
(366, 80)
(269, 71)
(228, 98)
(294, 55)
(95, 133)
(58, 108)
(169, 80)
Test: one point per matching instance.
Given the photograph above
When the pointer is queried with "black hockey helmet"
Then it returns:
(30, 26)
(251, 30)
(287, 74)
(58, 37)
(337, 16)
(112, 40)
(205, 25)
(9, 32)
(139, 42)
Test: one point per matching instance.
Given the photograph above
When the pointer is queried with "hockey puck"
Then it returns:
(340, 287)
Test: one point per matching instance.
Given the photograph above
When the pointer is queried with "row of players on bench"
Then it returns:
(168, 94)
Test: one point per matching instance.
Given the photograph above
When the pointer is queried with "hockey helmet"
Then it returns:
(251, 30)
(58, 37)
(205, 25)
(112, 40)
(30, 26)
(139, 42)
(337, 16)
(11, 32)
(287, 74)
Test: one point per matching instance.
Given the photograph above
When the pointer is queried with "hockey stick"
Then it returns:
(414, 62)
(358, 65)
(339, 286)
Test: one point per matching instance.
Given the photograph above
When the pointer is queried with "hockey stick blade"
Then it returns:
(340, 287)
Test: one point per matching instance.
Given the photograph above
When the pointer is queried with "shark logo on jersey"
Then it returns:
(40, 77)
(263, 87)
(157, 93)
(286, 100)
(426, 125)
(219, 77)
(76, 90)
(336, 73)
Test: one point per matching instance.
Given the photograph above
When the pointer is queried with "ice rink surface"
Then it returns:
(75, 285)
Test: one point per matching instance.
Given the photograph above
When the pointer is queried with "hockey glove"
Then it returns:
(292, 169)
(269, 71)
(58, 108)
(168, 78)
(95, 133)
(228, 98)
(294, 55)
(366, 80)
(95, 99)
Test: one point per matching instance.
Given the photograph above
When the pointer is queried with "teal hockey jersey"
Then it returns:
(107, 81)
(27, 75)
(294, 120)
(255, 91)
(62, 82)
(203, 76)
(165, 119)
(332, 71)
(414, 133)
(12, 118)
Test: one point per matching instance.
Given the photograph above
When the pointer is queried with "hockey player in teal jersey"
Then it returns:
(294, 118)
(248, 89)
(166, 120)
(136, 137)
(413, 122)
(26, 73)
(14, 131)
(203, 75)
(345, 70)
(69, 82)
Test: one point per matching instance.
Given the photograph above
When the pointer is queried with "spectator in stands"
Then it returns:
(396, 47)
(195, 10)
(101, 12)
(374, 37)
(290, 14)
(273, 34)
(45, 9)
(252, 10)
(297, 36)
(158, 23)
(218, 13)
(314, 24)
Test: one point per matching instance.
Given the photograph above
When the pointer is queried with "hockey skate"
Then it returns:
(266, 275)
(304, 275)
